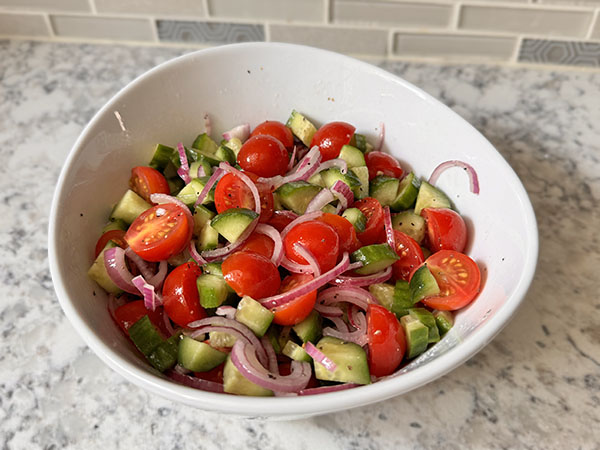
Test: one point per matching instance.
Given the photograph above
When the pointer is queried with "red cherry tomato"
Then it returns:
(263, 155)
(318, 238)
(180, 295)
(146, 181)
(232, 192)
(348, 240)
(277, 130)
(410, 253)
(295, 311)
(117, 236)
(387, 343)
(281, 219)
(259, 243)
(374, 230)
(446, 229)
(215, 375)
(129, 313)
(380, 163)
(458, 277)
(331, 138)
(251, 274)
(160, 232)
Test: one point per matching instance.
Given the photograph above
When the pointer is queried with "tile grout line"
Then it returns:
(515, 56)
(154, 26)
(454, 20)
(267, 30)
(595, 21)
(205, 8)
(93, 7)
(390, 43)
(49, 24)
(327, 13)
(529, 6)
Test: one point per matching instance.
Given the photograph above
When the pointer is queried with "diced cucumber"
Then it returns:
(444, 321)
(426, 252)
(208, 238)
(360, 142)
(374, 257)
(202, 162)
(384, 294)
(416, 334)
(430, 197)
(295, 352)
(164, 356)
(353, 156)
(221, 339)
(232, 223)
(202, 217)
(427, 319)
(310, 328)
(356, 218)
(236, 383)
(204, 143)
(277, 205)
(329, 209)
(213, 268)
(190, 193)
(117, 224)
(284, 336)
(98, 273)
(175, 185)
(317, 180)
(235, 145)
(212, 290)
(145, 336)
(273, 335)
(350, 359)
(410, 223)
(362, 173)
(198, 356)
(402, 298)
(224, 153)
(407, 193)
(384, 189)
(330, 176)
(423, 284)
(129, 207)
(297, 195)
(162, 156)
(254, 315)
(301, 127)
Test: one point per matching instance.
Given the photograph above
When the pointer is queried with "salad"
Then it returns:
(283, 260)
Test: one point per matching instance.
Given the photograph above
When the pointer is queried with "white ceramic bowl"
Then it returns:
(259, 81)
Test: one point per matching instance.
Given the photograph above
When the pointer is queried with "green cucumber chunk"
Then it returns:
(190, 193)
(221, 339)
(444, 321)
(360, 142)
(411, 224)
(232, 223)
(427, 319)
(407, 193)
(117, 224)
(176, 184)
(145, 336)
(202, 217)
(162, 156)
(374, 257)
(417, 336)
(310, 328)
(164, 356)
(384, 189)
(362, 173)
(317, 180)
(202, 162)
(212, 290)
(224, 153)
(208, 238)
(296, 195)
(295, 352)
(198, 356)
(213, 268)
(356, 218)
(301, 127)
(402, 298)
(273, 335)
(98, 273)
(353, 156)
(204, 143)
(235, 145)
(430, 197)
(129, 207)
(384, 294)
(423, 284)
(254, 315)
(350, 359)
(330, 176)
(235, 383)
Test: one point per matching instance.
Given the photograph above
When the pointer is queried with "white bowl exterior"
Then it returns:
(251, 83)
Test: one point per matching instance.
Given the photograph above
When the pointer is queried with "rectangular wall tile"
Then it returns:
(419, 15)
(288, 10)
(23, 25)
(451, 46)
(586, 54)
(48, 5)
(343, 40)
(94, 27)
(157, 7)
(525, 20)
(591, 3)
(209, 32)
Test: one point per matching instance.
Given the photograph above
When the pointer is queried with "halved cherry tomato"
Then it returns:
(160, 232)
(277, 130)
(117, 236)
(129, 313)
(458, 277)
(266, 198)
(297, 310)
(410, 253)
(180, 294)
(281, 219)
(348, 240)
(249, 273)
(446, 229)
(232, 192)
(318, 238)
(146, 181)
(380, 163)
(259, 243)
(374, 230)
(263, 155)
(331, 137)
(387, 343)
(215, 375)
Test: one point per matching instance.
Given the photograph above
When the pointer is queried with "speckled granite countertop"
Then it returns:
(537, 385)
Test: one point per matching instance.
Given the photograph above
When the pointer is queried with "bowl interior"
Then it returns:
(252, 83)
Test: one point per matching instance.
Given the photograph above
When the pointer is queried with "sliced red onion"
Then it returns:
(142, 265)
(309, 257)
(114, 261)
(167, 323)
(201, 172)
(292, 159)
(316, 283)
(273, 366)
(379, 277)
(319, 356)
(352, 310)
(247, 181)
(207, 125)
(164, 198)
(359, 337)
(157, 279)
(184, 170)
(339, 323)
(243, 357)
(320, 200)
(343, 193)
(216, 176)
(220, 253)
(389, 231)
(274, 235)
(380, 137)
(242, 132)
(303, 170)
(360, 297)
(226, 311)
(336, 162)
(355, 265)
(357, 318)
(151, 300)
(196, 256)
(327, 389)
(298, 220)
(328, 311)
(473, 178)
(194, 382)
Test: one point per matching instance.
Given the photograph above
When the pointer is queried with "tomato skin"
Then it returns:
(267, 202)
(259, 243)
(118, 236)
(146, 181)
(348, 240)
(215, 375)
(299, 309)
(264, 156)
(129, 313)
(280, 220)
(387, 343)
(232, 192)
(374, 230)
(180, 295)
(249, 273)
(410, 253)
(380, 163)
(446, 229)
(277, 130)
(318, 238)
(157, 237)
(331, 137)
(458, 277)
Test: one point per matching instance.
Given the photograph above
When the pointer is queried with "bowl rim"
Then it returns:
(302, 405)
